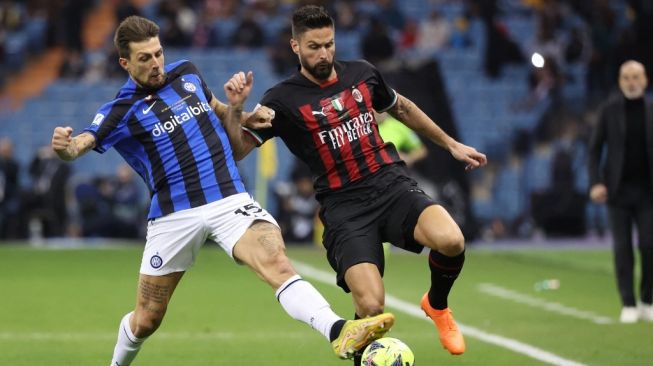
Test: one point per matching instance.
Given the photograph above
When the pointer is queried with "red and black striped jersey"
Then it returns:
(331, 127)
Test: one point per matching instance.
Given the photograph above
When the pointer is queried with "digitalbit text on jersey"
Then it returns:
(177, 119)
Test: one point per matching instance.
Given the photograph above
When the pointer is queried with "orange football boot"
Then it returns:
(450, 337)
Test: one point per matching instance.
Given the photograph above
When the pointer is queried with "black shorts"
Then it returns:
(381, 208)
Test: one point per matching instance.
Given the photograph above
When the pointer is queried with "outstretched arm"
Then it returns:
(68, 147)
(412, 116)
(258, 118)
(237, 90)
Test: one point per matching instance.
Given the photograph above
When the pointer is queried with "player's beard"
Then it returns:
(153, 82)
(320, 71)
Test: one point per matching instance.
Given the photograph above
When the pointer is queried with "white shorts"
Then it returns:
(173, 241)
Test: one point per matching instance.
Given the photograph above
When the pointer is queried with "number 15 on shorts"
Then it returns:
(251, 210)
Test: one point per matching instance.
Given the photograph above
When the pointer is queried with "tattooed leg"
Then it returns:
(262, 249)
(154, 293)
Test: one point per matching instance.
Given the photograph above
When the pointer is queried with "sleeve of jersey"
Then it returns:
(108, 126)
(261, 135)
(383, 96)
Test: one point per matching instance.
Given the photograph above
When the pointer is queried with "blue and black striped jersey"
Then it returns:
(174, 140)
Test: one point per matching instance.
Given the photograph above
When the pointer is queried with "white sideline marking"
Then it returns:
(414, 310)
(554, 307)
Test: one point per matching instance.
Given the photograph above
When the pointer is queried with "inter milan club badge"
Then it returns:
(358, 97)
(156, 261)
(190, 87)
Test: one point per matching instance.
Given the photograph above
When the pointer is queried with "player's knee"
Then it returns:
(452, 242)
(370, 307)
(281, 265)
(146, 325)
(276, 269)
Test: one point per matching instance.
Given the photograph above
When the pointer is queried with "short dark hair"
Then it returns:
(133, 29)
(310, 17)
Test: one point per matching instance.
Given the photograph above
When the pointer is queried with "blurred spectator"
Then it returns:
(94, 208)
(602, 65)
(127, 204)
(544, 81)
(73, 66)
(568, 216)
(546, 42)
(177, 23)
(460, 37)
(390, 14)
(248, 33)
(45, 201)
(577, 48)
(126, 8)
(500, 49)
(346, 16)
(71, 20)
(409, 35)
(110, 207)
(216, 9)
(205, 34)
(298, 208)
(434, 33)
(12, 15)
(9, 191)
(377, 46)
(284, 60)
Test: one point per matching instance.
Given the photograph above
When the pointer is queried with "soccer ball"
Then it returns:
(388, 352)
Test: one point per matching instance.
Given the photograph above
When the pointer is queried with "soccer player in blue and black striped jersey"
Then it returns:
(172, 130)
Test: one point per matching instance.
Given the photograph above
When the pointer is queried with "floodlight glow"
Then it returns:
(537, 60)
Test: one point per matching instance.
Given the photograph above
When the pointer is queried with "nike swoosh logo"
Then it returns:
(316, 113)
(146, 111)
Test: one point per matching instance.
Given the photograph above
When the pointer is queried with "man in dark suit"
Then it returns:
(624, 179)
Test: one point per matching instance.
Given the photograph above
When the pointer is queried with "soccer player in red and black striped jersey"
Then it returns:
(324, 114)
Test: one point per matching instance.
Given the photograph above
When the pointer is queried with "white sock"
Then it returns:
(127, 345)
(303, 302)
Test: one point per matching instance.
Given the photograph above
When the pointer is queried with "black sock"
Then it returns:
(358, 359)
(444, 271)
(335, 329)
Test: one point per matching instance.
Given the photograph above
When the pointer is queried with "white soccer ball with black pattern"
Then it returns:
(388, 352)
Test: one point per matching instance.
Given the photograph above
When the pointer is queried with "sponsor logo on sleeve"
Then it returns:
(98, 119)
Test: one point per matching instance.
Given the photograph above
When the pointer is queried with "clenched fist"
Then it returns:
(61, 138)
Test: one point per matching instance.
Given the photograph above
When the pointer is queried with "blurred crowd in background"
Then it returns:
(550, 61)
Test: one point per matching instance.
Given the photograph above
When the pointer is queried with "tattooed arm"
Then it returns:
(68, 147)
(237, 90)
(412, 116)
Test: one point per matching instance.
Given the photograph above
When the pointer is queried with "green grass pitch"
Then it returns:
(62, 307)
